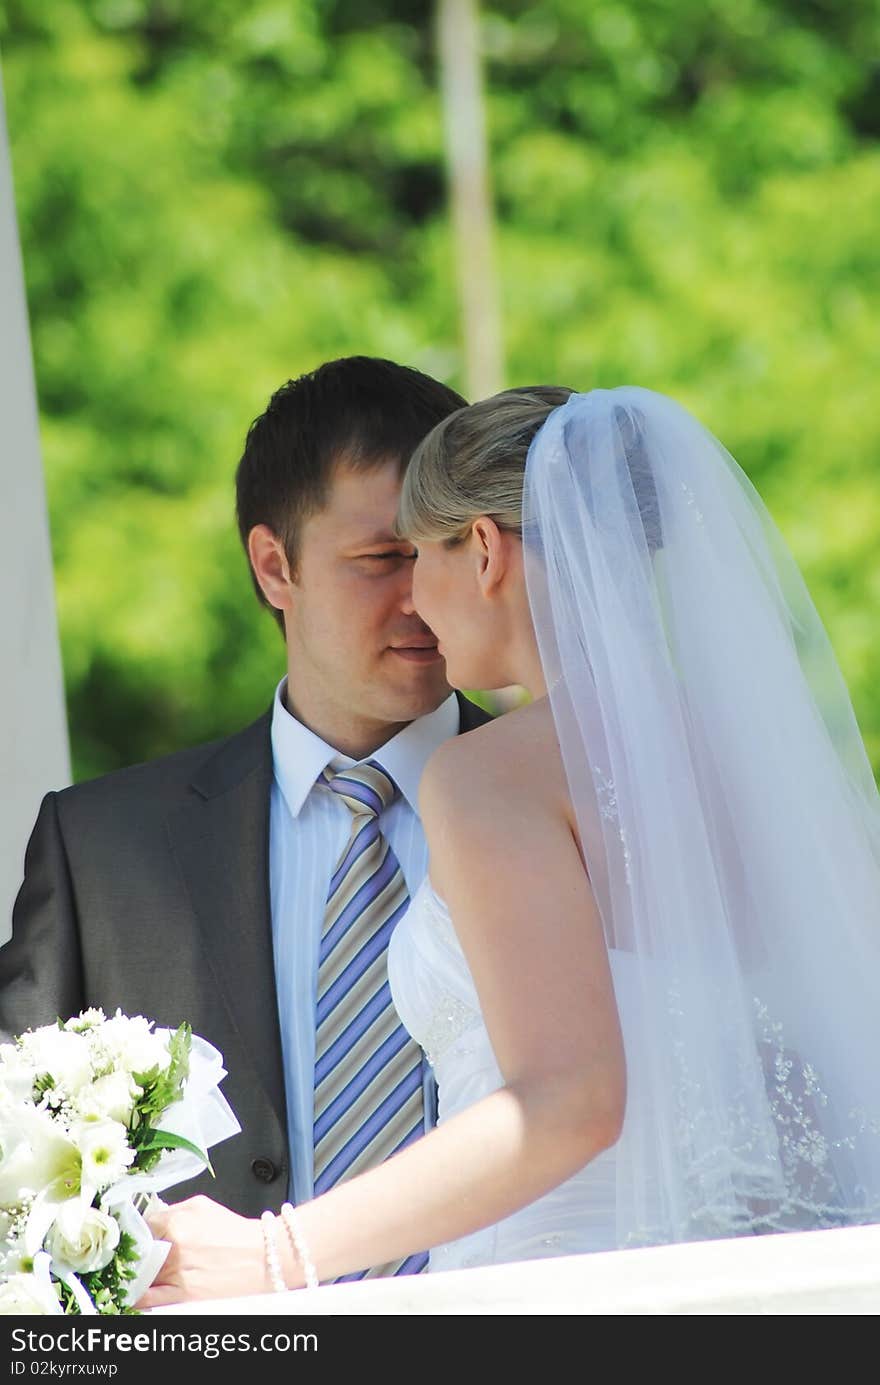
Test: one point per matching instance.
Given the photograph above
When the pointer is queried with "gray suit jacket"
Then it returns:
(148, 889)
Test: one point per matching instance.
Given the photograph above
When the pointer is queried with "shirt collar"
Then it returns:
(300, 756)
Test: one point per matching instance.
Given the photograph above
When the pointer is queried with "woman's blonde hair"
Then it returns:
(473, 463)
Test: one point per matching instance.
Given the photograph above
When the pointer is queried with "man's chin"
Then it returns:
(421, 693)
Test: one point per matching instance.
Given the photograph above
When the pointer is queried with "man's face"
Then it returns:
(356, 647)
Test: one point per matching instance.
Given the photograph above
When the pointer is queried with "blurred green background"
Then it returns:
(216, 195)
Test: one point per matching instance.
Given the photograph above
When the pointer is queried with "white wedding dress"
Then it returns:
(730, 825)
(436, 998)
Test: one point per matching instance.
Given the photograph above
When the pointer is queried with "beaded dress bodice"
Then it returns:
(437, 1001)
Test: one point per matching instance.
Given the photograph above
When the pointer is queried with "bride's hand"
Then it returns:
(214, 1254)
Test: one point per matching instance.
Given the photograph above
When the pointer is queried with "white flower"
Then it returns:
(14, 1259)
(30, 1293)
(35, 1153)
(16, 1073)
(106, 1153)
(61, 1053)
(112, 1096)
(82, 1238)
(23, 1293)
(85, 1020)
(129, 1043)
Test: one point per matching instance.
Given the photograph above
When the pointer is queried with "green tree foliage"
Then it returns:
(214, 197)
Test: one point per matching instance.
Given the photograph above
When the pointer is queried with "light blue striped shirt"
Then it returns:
(307, 835)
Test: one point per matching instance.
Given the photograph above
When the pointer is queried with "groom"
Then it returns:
(196, 887)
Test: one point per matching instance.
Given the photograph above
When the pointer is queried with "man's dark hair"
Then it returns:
(359, 410)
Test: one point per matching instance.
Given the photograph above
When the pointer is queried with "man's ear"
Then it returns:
(487, 542)
(271, 567)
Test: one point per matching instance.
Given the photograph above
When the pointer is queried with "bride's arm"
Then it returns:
(508, 867)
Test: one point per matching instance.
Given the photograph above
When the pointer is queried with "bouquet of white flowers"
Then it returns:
(96, 1116)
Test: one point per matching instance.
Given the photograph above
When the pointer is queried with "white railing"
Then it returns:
(825, 1272)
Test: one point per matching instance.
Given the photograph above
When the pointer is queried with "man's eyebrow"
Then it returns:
(382, 539)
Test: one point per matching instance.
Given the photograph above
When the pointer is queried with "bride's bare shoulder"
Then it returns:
(514, 753)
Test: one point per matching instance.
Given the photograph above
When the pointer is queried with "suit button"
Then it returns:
(264, 1169)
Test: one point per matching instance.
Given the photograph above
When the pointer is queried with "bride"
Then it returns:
(645, 963)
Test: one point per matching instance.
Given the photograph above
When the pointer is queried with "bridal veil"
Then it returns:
(729, 820)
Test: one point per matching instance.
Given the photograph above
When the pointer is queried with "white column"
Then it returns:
(464, 119)
(34, 753)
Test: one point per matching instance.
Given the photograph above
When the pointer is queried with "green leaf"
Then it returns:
(164, 1139)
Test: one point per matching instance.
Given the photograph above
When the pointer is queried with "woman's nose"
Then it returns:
(407, 604)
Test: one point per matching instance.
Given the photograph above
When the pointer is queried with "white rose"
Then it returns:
(112, 1096)
(25, 1293)
(105, 1151)
(82, 1238)
(64, 1055)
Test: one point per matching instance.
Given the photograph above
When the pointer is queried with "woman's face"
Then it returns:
(449, 597)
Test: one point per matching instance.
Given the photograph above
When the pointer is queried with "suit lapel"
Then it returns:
(221, 841)
(470, 715)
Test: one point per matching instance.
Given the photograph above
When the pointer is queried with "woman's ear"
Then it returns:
(490, 554)
(270, 565)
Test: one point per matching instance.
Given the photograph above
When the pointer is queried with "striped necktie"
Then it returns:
(368, 1071)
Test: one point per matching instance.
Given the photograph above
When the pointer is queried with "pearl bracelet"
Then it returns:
(298, 1241)
(267, 1221)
